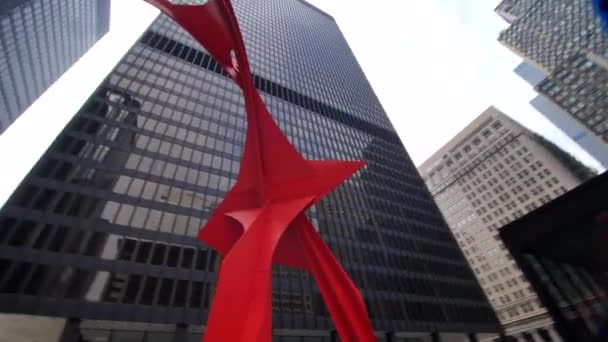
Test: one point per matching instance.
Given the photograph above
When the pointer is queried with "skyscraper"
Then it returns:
(563, 40)
(587, 139)
(530, 73)
(493, 172)
(549, 32)
(39, 41)
(510, 10)
(111, 211)
(579, 87)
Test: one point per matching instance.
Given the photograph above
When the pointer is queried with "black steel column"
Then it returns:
(71, 331)
(181, 333)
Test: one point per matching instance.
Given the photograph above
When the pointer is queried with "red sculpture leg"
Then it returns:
(242, 306)
(252, 228)
(341, 296)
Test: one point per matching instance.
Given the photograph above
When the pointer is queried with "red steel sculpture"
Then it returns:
(261, 221)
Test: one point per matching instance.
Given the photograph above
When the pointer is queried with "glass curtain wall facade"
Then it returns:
(103, 229)
(39, 41)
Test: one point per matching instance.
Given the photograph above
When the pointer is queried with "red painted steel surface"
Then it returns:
(261, 220)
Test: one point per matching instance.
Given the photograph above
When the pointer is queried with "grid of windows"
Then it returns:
(552, 31)
(571, 126)
(513, 9)
(579, 87)
(39, 41)
(495, 174)
(114, 206)
(566, 41)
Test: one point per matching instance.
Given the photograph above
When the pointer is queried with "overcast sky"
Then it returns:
(434, 64)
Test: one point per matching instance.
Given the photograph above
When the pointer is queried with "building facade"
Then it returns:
(493, 172)
(585, 138)
(564, 41)
(530, 73)
(510, 10)
(580, 86)
(552, 93)
(561, 249)
(111, 211)
(39, 41)
(549, 32)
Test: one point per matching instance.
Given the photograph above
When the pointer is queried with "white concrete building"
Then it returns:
(494, 171)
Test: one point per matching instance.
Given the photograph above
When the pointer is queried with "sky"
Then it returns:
(22, 144)
(434, 64)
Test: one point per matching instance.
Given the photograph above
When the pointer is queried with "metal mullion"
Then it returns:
(24, 29)
(61, 28)
(575, 280)
(28, 91)
(195, 251)
(160, 180)
(28, 277)
(546, 266)
(110, 195)
(163, 266)
(72, 28)
(211, 260)
(34, 235)
(595, 289)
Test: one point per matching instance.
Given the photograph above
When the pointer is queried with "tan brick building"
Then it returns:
(493, 172)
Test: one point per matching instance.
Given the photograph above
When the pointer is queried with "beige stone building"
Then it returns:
(493, 172)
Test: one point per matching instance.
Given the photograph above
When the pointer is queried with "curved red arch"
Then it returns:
(261, 220)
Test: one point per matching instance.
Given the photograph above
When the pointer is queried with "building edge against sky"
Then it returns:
(492, 172)
(112, 208)
(565, 54)
(587, 139)
(38, 45)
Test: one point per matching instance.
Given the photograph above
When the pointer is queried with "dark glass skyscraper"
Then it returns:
(39, 41)
(102, 231)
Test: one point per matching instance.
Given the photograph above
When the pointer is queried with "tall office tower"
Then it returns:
(103, 229)
(549, 32)
(530, 73)
(510, 10)
(585, 138)
(564, 41)
(39, 41)
(579, 87)
(491, 173)
(589, 140)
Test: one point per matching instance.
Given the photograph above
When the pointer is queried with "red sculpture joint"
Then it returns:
(261, 222)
